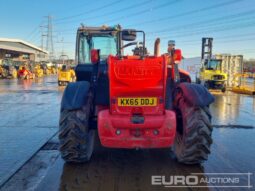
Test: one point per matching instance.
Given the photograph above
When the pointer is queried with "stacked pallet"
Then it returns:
(231, 65)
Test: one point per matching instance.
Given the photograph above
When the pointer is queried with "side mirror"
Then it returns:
(177, 56)
(95, 56)
(128, 35)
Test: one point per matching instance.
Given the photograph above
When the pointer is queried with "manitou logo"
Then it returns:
(131, 72)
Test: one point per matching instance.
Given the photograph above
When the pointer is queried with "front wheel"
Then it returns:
(194, 132)
(76, 139)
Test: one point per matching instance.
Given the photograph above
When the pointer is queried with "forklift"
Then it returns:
(211, 75)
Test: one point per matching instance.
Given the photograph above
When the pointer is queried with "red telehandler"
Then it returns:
(138, 101)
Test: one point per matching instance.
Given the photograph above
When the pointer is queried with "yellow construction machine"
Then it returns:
(65, 75)
(7, 70)
(211, 74)
(25, 72)
(38, 71)
(2, 71)
(243, 84)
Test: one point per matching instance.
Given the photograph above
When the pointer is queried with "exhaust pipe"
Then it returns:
(157, 47)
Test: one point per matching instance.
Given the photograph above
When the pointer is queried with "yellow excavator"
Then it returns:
(211, 74)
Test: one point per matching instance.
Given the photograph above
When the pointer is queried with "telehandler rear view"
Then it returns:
(138, 101)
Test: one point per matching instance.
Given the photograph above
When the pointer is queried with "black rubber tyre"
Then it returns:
(223, 89)
(206, 85)
(76, 139)
(198, 81)
(194, 132)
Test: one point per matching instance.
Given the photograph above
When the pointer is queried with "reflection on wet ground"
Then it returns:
(233, 109)
(36, 105)
(29, 113)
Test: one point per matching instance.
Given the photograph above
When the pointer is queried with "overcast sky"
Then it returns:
(230, 22)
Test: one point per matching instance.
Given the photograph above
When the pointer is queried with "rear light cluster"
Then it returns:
(138, 132)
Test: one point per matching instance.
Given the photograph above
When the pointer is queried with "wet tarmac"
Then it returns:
(233, 149)
(29, 113)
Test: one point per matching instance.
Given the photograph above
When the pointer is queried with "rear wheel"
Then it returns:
(194, 132)
(76, 139)
(223, 89)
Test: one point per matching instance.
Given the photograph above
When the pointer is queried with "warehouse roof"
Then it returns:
(14, 44)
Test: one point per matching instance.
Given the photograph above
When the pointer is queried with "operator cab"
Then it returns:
(93, 46)
(106, 43)
(91, 38)
(213, 64)
(109, 40)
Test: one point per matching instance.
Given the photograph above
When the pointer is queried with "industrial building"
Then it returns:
(19, 50)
